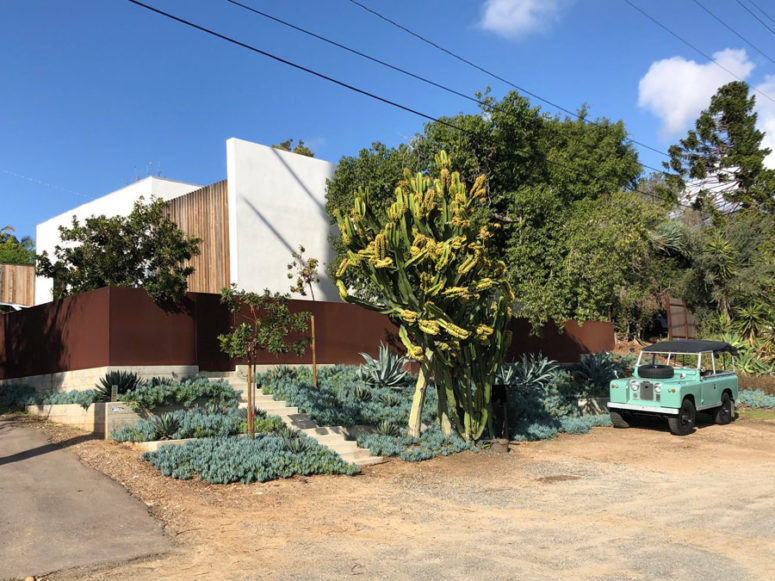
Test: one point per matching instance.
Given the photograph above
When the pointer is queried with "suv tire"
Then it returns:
(683, 423)
(655, 371)
(723, 414)
(618, 420)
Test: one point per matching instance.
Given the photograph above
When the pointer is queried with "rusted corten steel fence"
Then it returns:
(124, 327)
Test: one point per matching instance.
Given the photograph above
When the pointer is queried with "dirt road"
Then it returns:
(613, 504)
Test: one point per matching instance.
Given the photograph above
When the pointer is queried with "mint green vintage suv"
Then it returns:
(675, 380)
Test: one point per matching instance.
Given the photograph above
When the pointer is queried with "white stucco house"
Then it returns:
(271, 202)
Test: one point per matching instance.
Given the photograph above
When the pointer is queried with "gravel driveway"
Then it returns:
(612, 504)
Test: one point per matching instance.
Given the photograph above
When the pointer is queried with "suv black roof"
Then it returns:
(690, 346)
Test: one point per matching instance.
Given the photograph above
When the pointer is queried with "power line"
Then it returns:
(291, 64)
(768, 57)
(356, 52)
(764, 24)
(760, 9)
(386, 64)
(42, 183)
(690, 45)
(343, 84)
(490, 73)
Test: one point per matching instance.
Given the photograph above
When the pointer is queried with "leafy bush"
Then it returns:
(151, 396)
(17, 396)
(340, 398)
(386, 371)
(225, 460)
(83, 398)
(756, 398)
(123, 380)
(196, 423)
(430, 444)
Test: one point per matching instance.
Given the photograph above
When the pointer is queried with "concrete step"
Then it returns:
(362, 458)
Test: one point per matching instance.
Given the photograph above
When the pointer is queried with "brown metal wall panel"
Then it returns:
(59, 336)
(123, 326)
(17, 284)
(565, 347)
(204, 213)
(142, 333)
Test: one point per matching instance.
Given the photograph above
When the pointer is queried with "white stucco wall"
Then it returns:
(118, 203)
(276, 203)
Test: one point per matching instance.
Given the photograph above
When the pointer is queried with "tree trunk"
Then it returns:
(314, 355)
(415, 416)
(251, 404)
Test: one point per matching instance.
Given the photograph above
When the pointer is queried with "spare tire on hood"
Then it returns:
(655, 371)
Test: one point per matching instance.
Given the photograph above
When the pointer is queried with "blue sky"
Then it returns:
(96, 93)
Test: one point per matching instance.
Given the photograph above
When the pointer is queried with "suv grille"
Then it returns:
(646, 392)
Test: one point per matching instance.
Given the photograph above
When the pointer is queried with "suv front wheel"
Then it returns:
(683, 423)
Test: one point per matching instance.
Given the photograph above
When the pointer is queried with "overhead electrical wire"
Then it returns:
(490, 73)
(346, 85)
(764, 24)
(760, 9)
(388, 65)
(690, 45)
(756, 48)
(356, 52)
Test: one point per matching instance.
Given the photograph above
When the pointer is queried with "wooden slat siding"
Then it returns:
(17, 284)
(205, 213)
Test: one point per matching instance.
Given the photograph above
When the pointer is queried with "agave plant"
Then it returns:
(385, 371)
(389, 399)
(361, 393)
(596, 369)
(165, 426)
(531, 371)
(385, 428)
(123, 380)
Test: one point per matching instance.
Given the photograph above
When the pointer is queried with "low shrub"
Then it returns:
(196, 423)
(756, 398)
(430, 444)
(342, 398)
(17, 396)
(83, 398)
(153, 395)
(226, 460)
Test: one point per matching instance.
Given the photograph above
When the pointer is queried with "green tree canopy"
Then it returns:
(539, 171)
(15, 251)
(144, 249)
(724, 153)
(300, 148)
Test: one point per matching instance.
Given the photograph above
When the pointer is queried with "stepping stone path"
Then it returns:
(332, 437)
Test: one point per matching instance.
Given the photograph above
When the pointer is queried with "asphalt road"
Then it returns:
(55, 513)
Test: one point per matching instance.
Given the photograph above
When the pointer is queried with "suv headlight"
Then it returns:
(635, 386)
(657, 387)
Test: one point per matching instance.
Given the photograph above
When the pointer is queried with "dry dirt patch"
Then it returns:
(612, 504)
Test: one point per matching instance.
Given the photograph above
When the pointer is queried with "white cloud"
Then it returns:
(766, 120)
(516, 18)
(676, 90)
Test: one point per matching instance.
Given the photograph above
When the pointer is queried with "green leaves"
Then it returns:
(144, 249)
(266, 324)
(726, 148)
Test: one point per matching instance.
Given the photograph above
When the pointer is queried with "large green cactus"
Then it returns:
(431, 261)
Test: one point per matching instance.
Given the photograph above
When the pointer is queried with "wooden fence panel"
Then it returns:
(205, 213)
(17, 284)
